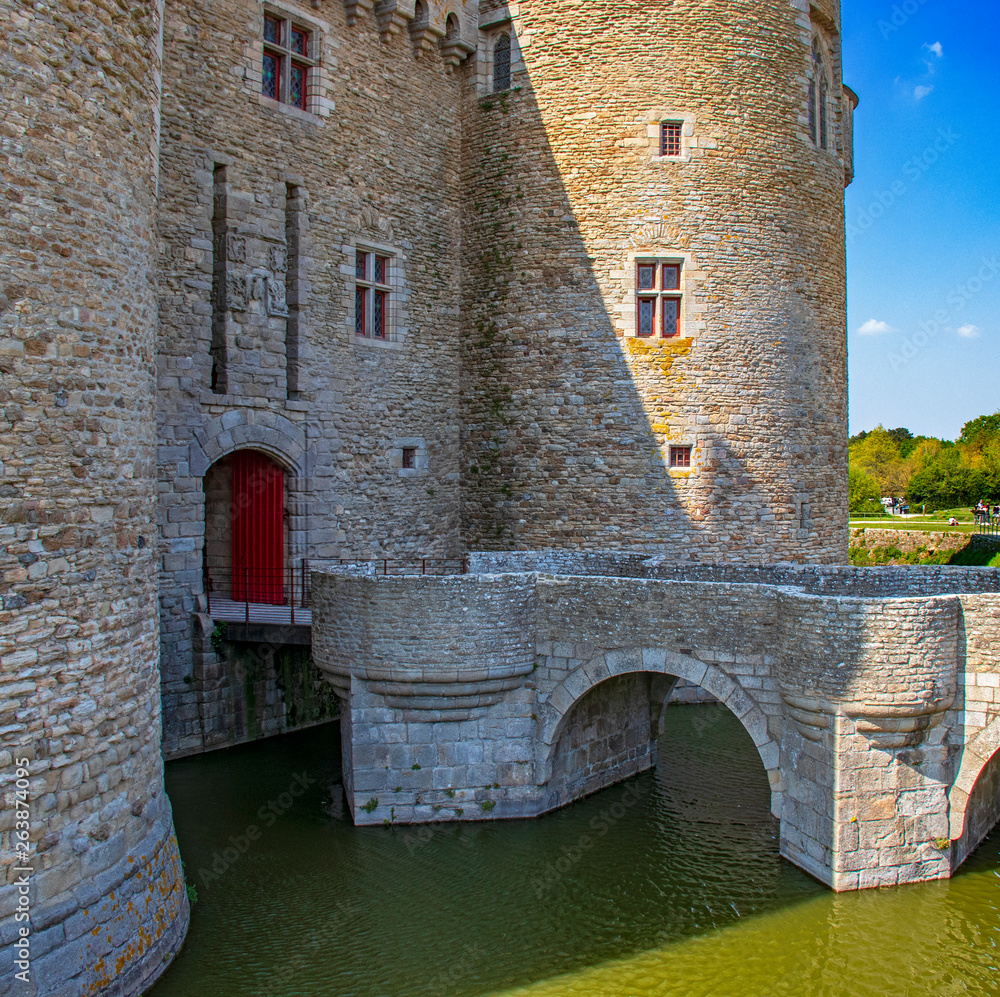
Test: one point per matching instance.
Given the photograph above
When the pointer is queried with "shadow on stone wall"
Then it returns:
(559, 449)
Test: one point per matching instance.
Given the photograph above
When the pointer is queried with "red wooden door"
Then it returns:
(258, 528)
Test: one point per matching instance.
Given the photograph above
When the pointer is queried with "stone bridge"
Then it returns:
(872, 695)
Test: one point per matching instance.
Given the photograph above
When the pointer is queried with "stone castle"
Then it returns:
(290, 284)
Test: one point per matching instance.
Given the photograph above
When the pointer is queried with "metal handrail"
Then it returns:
(986, 524)
(290, 586)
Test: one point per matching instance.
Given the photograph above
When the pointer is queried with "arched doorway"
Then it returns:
(245, 528)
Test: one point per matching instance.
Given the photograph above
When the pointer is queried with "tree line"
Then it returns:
(938, 474)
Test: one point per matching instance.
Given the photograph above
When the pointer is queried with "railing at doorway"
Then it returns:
(245, 594)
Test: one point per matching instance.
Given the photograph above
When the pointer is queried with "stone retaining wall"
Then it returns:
(909, 540)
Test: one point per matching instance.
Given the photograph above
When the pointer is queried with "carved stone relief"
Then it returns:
(236, 292)
(236, 248)
(279, 259)
(276, 303)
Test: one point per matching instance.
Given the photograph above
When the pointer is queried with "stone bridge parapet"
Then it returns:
(871, 695)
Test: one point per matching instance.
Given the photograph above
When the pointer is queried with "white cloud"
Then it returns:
(873, 327)
(937, 48)
(920, 92)
(968, 331)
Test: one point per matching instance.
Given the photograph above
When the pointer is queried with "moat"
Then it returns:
(667, 884)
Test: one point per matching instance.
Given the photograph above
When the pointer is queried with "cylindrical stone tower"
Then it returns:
(93, 898)
(655, 295)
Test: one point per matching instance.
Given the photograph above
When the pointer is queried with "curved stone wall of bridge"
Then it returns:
(871, 695)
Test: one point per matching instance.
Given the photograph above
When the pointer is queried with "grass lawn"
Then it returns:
(934, 522)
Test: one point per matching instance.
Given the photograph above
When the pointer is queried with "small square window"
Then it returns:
(647, 277)
(300, 41)
(671, 276)
(272, 30)
(409, 457)
(680, 456)
(670, 138)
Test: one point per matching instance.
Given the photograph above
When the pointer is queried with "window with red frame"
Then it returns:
(288, 57)
(670, 138)
(372, 275)
(658, 299)
(680, 456)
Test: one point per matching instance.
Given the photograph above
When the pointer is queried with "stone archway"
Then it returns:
(975, 757)
(658, 661)
(273, 434)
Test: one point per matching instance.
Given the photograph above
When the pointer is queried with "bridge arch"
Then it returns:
(978, 753)
(658, 661)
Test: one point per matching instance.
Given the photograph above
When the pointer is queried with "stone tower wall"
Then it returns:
(569, 416)
(86, 841)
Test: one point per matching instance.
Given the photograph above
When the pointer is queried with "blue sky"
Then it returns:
(923, 214)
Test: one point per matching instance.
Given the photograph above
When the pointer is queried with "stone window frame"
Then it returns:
(652, 241)
(319, 105)
(396, 328)
(287, 57)
(418, 446)
(501, 82)
(653, 138)
(659, 294)
(492, 25)
(658, 259)
(368, 289)
(818, 29)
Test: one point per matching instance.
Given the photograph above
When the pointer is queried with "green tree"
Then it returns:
(904, 439)
(978, 432)
(946, 480)
(864, 495)
(989, 464)
(878, 455)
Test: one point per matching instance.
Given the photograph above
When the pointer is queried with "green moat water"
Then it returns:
(669, 884)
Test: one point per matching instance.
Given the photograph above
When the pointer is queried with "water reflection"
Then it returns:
(668, 884)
